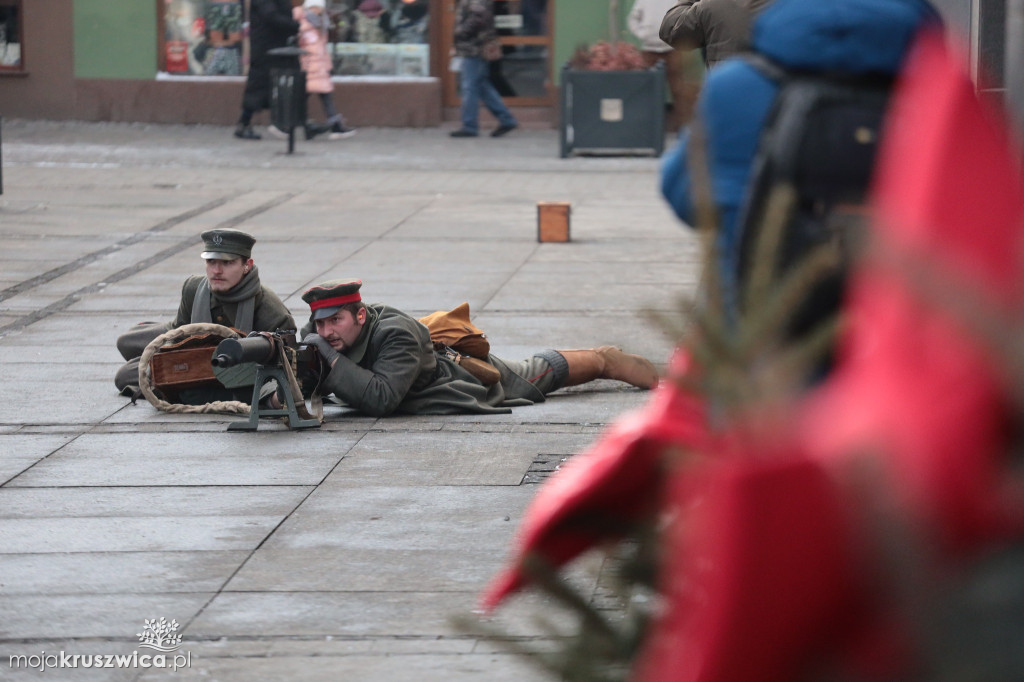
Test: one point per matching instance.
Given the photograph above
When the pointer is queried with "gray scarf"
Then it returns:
(243, 294)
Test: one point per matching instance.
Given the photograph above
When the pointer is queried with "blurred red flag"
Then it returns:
(615, 482)
(762, 574)
(914, 383)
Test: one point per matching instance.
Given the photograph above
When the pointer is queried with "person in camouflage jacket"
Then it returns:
(476, 43)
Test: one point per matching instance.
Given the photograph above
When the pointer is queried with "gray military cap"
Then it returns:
(227, 244)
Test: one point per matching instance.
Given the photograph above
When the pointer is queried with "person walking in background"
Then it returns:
(720, 28)
(270, 26)
(313, 25)
(644, 22)
(476, 42)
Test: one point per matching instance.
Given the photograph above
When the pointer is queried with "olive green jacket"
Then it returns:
(392, 367)
(721, 28)
(270, 313)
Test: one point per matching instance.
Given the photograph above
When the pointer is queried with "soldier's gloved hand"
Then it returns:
(326, 352)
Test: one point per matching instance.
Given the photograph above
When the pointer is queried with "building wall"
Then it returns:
(114, 38)
(46, 90)
(97, 60)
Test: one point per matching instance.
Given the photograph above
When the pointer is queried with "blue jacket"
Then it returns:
(849, 36)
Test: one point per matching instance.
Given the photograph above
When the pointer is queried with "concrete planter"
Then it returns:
(613, 112)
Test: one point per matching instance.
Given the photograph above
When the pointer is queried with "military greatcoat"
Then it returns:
(393, 367)
(270, 313)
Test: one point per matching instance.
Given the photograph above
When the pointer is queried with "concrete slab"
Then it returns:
(86, 616)
(58, 402)
(613, 297)
(107, 572)
(345, 569)
(404, 518)
(32, 373)
(460, 216)
(336, 613)
(321, 668)
(517, 336)
(682, 250)
(131, 534)
(150, 501)
(66, 328)
(424, 459)
(18, 452)
(14, 352)
(391, 539)
(153, 459)
(316, 216)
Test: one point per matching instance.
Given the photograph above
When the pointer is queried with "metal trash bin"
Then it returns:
(613, 112)
(287, 91)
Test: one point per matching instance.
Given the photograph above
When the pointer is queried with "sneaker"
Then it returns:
(243, 132)
(340, 132)
(501, 130)
(274, 131)
(314, 129)
(462, 132)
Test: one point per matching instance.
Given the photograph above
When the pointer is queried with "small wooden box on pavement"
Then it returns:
(553, 221)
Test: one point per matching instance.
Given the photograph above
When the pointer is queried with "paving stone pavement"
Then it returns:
(341, 553)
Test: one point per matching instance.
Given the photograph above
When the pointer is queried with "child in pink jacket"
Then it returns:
(313, 22)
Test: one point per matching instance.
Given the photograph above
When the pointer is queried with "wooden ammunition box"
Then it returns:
(184, 368)
(553, 221)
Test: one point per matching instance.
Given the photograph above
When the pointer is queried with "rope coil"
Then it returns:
(170, 338)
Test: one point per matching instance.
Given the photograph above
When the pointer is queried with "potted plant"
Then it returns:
(610, 102)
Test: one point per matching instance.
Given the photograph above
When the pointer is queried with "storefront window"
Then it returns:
(380, 37)
(10, 35)
(367, 37)
(203, 37)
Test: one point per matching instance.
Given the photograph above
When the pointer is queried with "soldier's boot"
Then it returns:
(608, 362)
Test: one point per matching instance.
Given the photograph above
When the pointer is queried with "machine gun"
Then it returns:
(296, 367)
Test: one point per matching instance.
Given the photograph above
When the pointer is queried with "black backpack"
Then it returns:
(820, 138)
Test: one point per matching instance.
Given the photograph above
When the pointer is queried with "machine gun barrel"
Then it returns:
(231, 352)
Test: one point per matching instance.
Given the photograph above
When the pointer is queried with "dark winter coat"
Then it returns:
(393, 368)
(840, 36)
(270, 26)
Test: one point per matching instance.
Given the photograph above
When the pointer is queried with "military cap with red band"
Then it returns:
(327, 298)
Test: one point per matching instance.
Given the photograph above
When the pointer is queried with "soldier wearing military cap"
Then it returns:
(383, 361)
(229, 294)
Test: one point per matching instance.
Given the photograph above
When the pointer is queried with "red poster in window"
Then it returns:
(177, 56)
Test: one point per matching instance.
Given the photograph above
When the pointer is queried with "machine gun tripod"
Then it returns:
(280, 357)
